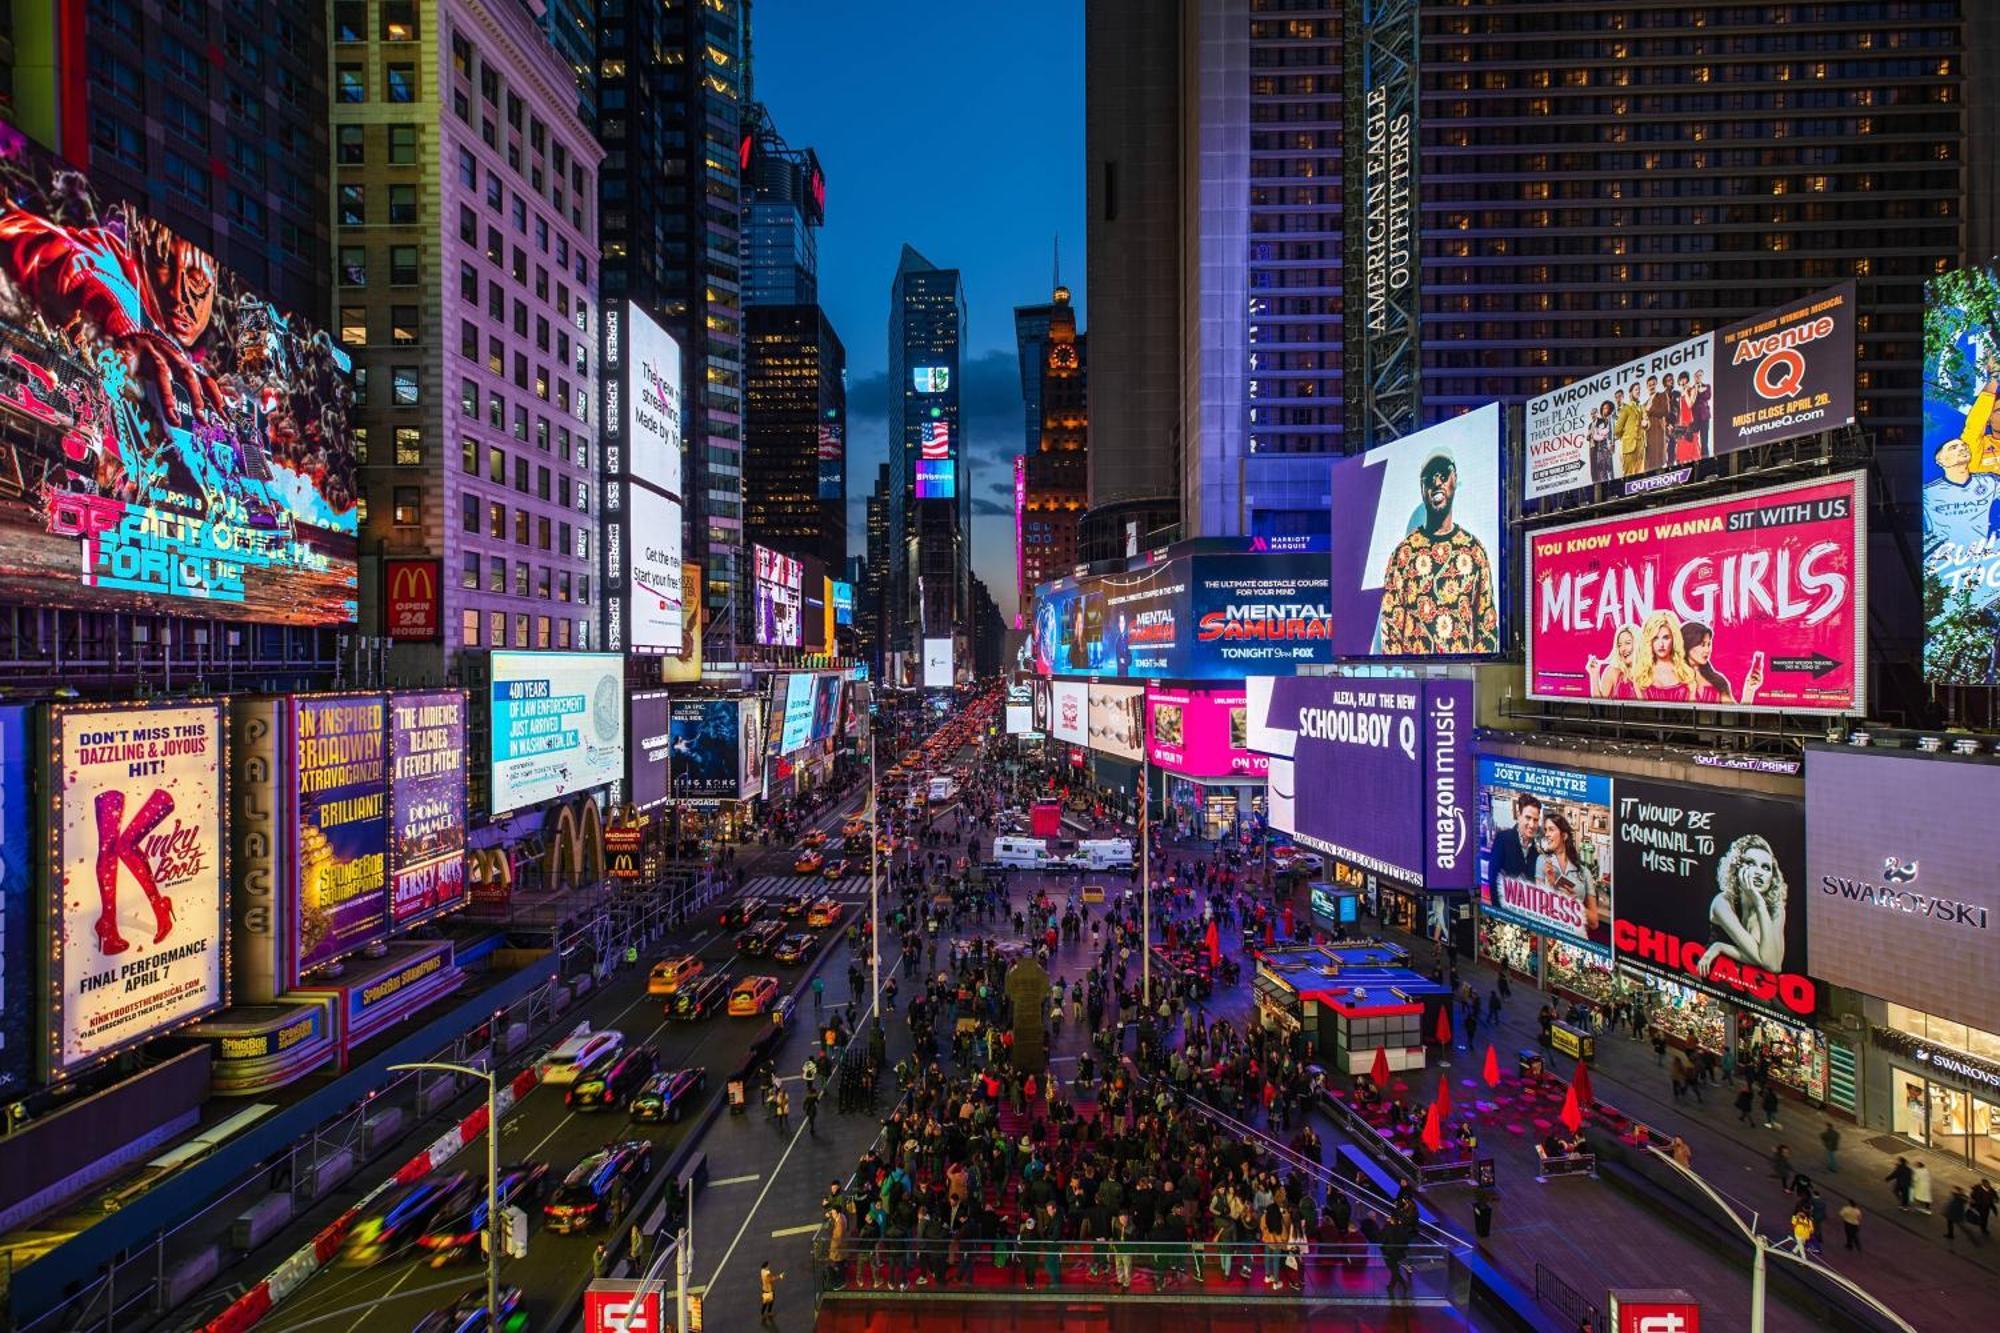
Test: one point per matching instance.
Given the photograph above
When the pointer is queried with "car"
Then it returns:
(467, 1314)
(613, 1083)
(793, 948)
(885, 844)
(838, 868)
(784, 1011)
(752, 995)
(793, 905)
(699, 998)
(670, 974)
(808, 862)
(759, 938)
(826, 912)
(856, 845)
(584, 1198)
(854, 826)
(409, 1213)
(456, 1234)
(814, 838)
(743, 911)
(666, 1094)
(580, 1053)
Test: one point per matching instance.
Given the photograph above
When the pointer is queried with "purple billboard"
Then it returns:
(426, 804)
(1383, 773)
(341, 825)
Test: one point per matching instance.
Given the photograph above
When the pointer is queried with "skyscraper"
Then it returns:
(572, 31)
(784, 207)
(1055, 479)
(670, 114)
(874, 590)
(930, 501)
(475, 381)
(795, 435)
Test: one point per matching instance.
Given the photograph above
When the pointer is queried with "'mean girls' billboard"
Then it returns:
(1756, 602)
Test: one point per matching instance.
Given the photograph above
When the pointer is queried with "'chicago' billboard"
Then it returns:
(135, 876)
(1382, 773)
(1545, 849)
(1755, 601)
(426, 804)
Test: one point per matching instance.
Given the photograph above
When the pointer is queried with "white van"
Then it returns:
(1021, 853)
(941, 789)
(1104, 854)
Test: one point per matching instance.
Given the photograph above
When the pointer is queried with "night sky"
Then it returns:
(959, 129)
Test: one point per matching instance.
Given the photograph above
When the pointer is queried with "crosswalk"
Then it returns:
(817, 885)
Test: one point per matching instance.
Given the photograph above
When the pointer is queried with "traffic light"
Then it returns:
(694, 1312)
(517, 1232)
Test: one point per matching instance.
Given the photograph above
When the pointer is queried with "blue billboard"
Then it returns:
(17, 885)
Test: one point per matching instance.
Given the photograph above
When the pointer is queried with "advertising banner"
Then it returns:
(1201, 733)
(843, 602)
(1786, 372)
(832, 460)
(683, 666)
(653, 603)
(1902, 899)
(174, 443)
(1382, 773)
(558, 726)
(1416, 543)
(1117, 723)
(937, 664)
(135, 875)
(18, 1009)
(779, 602)
(750, 747)
(1070, 706)
(1754, 601)
(649, 724)
(1252, 613)
(426, 804)
(706, 748)
(800, 692)
(1961, 473)
(413, 600)
(826, 706)
(1040, 710)
(340, 824)
(1711, 893)
(1545, 850)
(653, 424)
(1020, 720)
(937, 477)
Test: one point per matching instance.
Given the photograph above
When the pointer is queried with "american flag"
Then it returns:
(937, 440)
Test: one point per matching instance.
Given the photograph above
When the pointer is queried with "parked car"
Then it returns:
(580, 1053)
(615, 1082)
(753, 995)
(699, 998)
(583, 1200)
(456, 1235)
(665, 1096)
(670, 974)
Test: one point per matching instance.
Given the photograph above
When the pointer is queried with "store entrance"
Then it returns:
(1945, 1118)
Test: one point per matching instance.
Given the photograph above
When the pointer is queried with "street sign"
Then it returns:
(616, 1305)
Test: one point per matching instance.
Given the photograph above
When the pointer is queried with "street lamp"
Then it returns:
(1762, 1247)
(493, 1233)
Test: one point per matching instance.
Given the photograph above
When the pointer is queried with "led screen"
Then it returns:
(1961, 476)
(340, 823)
(653, 408)
(930, 379)
(558, 726)
(779, 600)
(647, 725)
(800, 692)
(937, 664)
(653, 616)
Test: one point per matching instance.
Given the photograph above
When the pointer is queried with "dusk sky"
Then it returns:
(959, 129)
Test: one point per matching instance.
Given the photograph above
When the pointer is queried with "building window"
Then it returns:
(521, 475)
(403, 325)
(541, 631)
(468, 455)
(399, 21)
(468, 225)
(468, 289)
(468, 169)
(542, 582)
(496, 520)
(353, 266)
(521, 527)
(496, 465)
(350, 21)
(542, 483)
(521, 630)
(469, 626)
(403, 145)
(402, 204)
(544, 534)
(468, 516)
(408, 509)
(496, 361)
(520, 578)
(496, 574)
(349, 84)
(186, 179)
(402, 259)
(468, 574)
(402, 83)
(496, 628)
(562, 633)
(353, 205)
(350, 145)
(409, 446)
(354, 325)
(119, 140)
(404, 389)
(468, 399)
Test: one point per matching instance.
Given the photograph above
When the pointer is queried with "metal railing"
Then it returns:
(1561, 1297)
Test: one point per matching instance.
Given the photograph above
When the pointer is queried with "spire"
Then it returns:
(1061, 296)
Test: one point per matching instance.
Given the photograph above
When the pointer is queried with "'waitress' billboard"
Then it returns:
(1754, 602)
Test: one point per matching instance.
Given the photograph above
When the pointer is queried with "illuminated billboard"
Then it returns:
(1416, 543)
(1545, 850)
(169, 440)
(797, 719)
(704, 750)
(779, 603)
(655, 594)
(930, 379)
(20, 1012)
(1961, 477)
(135, 876)
(1069, 711)
(426, 805)
(832, 460)
(653, 439)
(1201, 733)
(937, 477)
(558, 726)
(843, 603)
(938, 674)
(648, 726)
(1117, 720)
(1755, 601)
(339, 824)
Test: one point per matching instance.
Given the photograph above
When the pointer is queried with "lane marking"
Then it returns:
(736, 1180)
(782, 1232)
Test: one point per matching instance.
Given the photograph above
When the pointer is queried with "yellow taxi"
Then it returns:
(670, 974)
(753, 995)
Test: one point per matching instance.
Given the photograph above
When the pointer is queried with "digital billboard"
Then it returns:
(648, 724)
(1201, 733)
(1545, 850)
(1020, 720)
(135, 876)
(826, 706)
(930, 379)
(1755, 601)
(1784, 372)
(1382, 773)
(938, 664)
(339, 824)
(1901, 896)
(653, 440)
(426, 804)
(1712, 892)
(1961, 478)
(936, 473)
(19, 1011)
(172, 442)
(558, 726)
(779, 600)
(800, 693)
(706, 738)
(1069, 711)
(654, 572)
(1416, 543)
(1126, 624)
(684, 666)
(832, 460)
(1117, 720)
(750, 747)
(843, 603)
(1253, 613)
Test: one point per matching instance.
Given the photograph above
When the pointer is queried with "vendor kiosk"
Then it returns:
(1348, 1000)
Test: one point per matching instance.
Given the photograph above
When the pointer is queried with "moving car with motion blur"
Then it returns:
(612, 1084)
(583, 1200)
(467, 1314)
(524, 1184)
(793, 948)
(753, 995)
(670, 974)
(580, 1053)
(814, 838)
(666, 1095)
(407, 1214)
(700, 997)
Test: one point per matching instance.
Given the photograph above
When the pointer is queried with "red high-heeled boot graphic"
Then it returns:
(115, 844)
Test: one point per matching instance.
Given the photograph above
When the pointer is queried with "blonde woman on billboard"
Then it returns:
(1748, 912)
(1666, 675)
(1605, 671)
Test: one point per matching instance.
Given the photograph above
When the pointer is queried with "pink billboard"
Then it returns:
(1200, 733)
(1755, 601)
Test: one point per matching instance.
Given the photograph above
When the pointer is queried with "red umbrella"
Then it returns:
(1444, 1025)
(1443, 1102)
(1580, 1081)
(1492, 1071)
(1432, 1137)
(1571, 1115)
(1380, 1071)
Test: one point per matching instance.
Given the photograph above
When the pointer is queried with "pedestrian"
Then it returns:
(1802, 1228)
(782, 1110)
(1744, 1101)
(1985, 1199)
(1829, 1139)
(1770, 1106)
(639, 1247)
(1850, 1222)
(767, 1290)
(819, 994)
(1681, 1153)
(812, 1112)
(1781, 1166)
(1659, 1046)
(1920, 1186)
(1900, 1177)
(1954, 1212)
(600, 1259)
